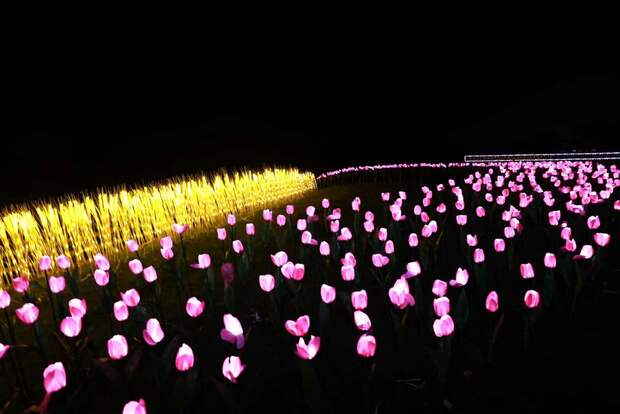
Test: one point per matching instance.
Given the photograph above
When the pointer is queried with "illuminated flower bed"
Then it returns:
(318, 306)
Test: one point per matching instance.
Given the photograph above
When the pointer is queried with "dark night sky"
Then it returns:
(106, 121)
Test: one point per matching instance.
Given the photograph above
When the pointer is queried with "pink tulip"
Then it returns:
(135, 407)
(441, 208)
(45, 263)
(389, 247)
(594, 222)
(185, 358)
(231, 219)
(347, 272)
(399, 294)
(362, 321)
(3, 350)
(267, 282)
(382, 234)
(299, 327)
(180, 228)
(280, 220)
(237, 246)
(366, 346)
(167, 254)
(440, 288)
(57, 284)
(334, 226)
(132, 246)
(28, 313)
(310, 210)
(413, 269)
(527, 271)
(359, 299)
(509, 232)
(602, 239)
(480, 211)
(349, 259)
(443, 326)
(290, 209)
(204, 261)
(302, 224)
(492, 302)
(101, 277)
(267, 215)
(310, 350)
(565, 233)
(54, 377)
(77, 307)
(71, 326)
(63, 262)
(288, 269)
(221, 234)
(461, 219)
(121, 312)
(194, 307)
(472, 240)
(232, 368)
(378, 260)
(250, 230)
(131, 297)
(550, 261)
(554, 217)
(21, 284)
(324, 248)
(279, 259)
(325, 203)
(369, 226)
(102, 262)
(150, 274)
(117, 347)
(586, 252)
(345, 234)
(499, 245)
(385, 196)
(531, 298)
(153, 334)
(233, 331)
(328, 293)
(306, 238)
(369, 216)
(462, 277)
(478, 256)
(441, 306)
(413, 240)
(355, 204)
(135, 266)
(5, 299)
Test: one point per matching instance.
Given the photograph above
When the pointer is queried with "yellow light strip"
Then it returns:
(80, 226)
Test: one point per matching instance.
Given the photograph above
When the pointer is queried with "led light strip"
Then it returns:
(597, 156)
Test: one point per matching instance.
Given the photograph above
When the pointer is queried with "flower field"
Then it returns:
(388, 289)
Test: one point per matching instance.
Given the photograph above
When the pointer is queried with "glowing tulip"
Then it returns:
(385, 196)
(180, 228)
(267, 215)
(345, 234)
(290, 209)
(389, 247)
(461, 219)
(194, 307)
(413, 269)
(121, 312)
(565, 233)
(366, 345)
(594, 222)
(266, 282)
(324, 248)
(527, 271)
(550, 261)
(369, 226)
(101, 277)
(132, 246)
(382, 234)
(440, 288)
(28, 313)
(57, 284)
(441, 306)
(204, 261)
(443, 326)
(5, 299)
(232, 331)
(21, 284)
(280, 220)
(349, 259)
(399, 294)
(462, 277)
(131, 297)
(77, 307)
(299, 327)
(231, 219)
(308, 351)
(347, 272)
(492, 301)
(334, 226)
(237, 246)
(279, 259)
(102, 262)
(586, 252)
(480, 211)
(478, 256)
(117, 347)
(153, 334)
(232, 368)
(54, 377)
(499, 245)
(71, 326)
(45, 263)
(135, 266)
(63, 262)
(472, 240)
(378, 260)
(135, 407)
(288, 269)
(441, 208)
(3, 350)
(602, 239)
(554, 217)
(355, 204)
(310, 210)
(150, 274)
(250, 230)
(531, 298)
(359, 299)
(221, 233)
(184, 360)
(328, 293)
(362, 321)
(509, 232)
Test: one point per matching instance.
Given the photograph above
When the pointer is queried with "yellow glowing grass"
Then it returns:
(80, 226)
